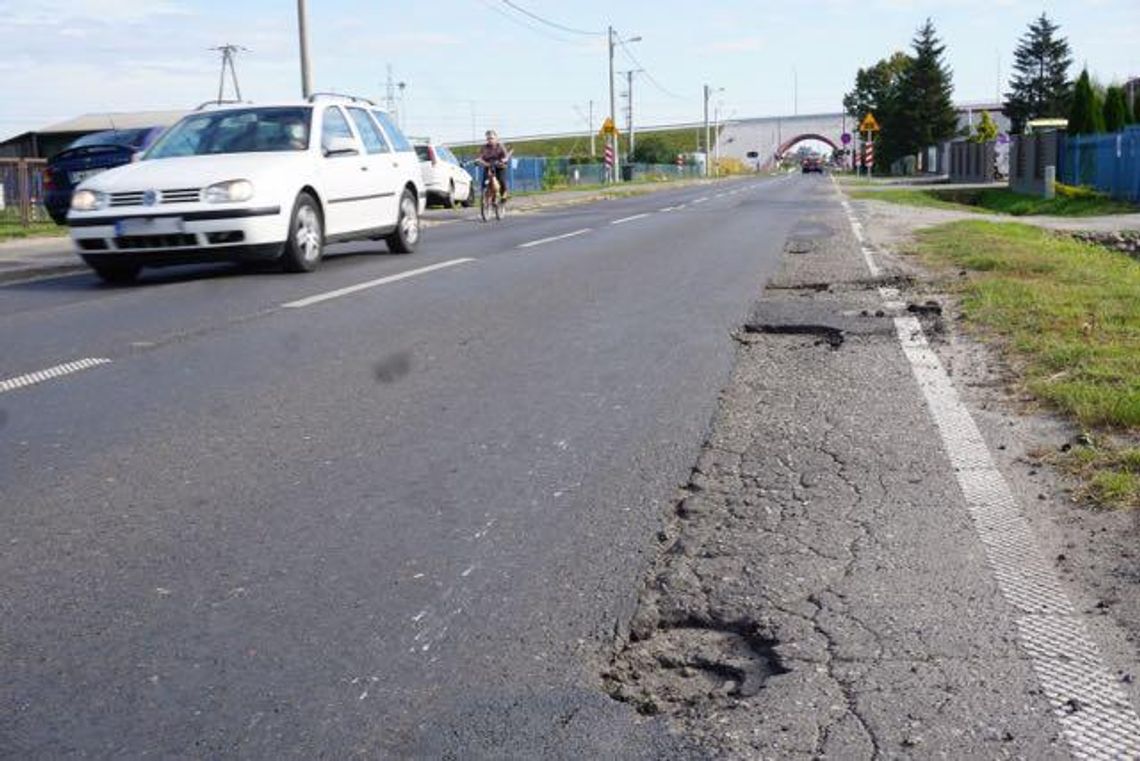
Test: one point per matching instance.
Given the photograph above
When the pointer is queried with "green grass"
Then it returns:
(11, 229)
(1067, 313)
(907, 197)
(1069, 201)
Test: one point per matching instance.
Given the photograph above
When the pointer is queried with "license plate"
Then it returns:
(78, 177)
(149, 226)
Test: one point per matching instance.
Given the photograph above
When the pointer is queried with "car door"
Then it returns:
(384, 170)
(405, 154)
(350, 204)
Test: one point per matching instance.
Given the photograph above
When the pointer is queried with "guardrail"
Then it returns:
(22, 191)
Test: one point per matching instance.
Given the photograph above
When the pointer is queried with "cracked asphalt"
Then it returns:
(820, 590)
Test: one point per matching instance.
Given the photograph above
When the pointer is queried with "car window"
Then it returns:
(128, 137)
(335, 125)
(250, 130)
(447, 154)
(374, 141)
(423, 153)
(394, 134)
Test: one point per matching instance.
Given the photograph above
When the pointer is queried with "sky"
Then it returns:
(469, 65)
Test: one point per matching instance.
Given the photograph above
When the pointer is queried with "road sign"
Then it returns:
(845, 138)
(869, 124)
(608, 127)
(609, 155)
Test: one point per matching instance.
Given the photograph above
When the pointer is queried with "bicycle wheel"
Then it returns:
(500, 207)
(484, 202)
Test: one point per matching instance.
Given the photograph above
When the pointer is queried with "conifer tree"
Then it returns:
(1040, 85)
(1115, 109)
(1085, 118)
(926, 114)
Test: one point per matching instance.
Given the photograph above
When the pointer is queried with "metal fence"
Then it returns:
(22, 191)
(1108, 163)
(531, 173)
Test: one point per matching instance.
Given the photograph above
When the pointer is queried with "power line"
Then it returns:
(549, 23)
(526, 25)
(648, 74)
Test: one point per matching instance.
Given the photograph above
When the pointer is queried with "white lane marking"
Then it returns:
(870, 259)
(668, 208)
(309, 301)
(541, 241)
(702, 199)
(31, 379)
(1095, 714)
(623, 220)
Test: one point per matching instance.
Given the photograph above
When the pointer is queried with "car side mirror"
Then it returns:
(341, 145)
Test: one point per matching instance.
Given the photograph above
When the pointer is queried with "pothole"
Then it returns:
(833, 337)
(694, 665)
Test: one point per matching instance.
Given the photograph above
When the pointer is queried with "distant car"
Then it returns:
(87, 157)
(253, 183)
(812, 164)
(445, 179)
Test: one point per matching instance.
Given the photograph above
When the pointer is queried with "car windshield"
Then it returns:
(132, 138)
(248, 130)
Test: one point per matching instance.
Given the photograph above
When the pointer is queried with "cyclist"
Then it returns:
(494, 156)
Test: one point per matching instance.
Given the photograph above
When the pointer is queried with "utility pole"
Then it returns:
(590, 121)
(303, 30)
(228, 52)
(612, 138)
(706, 130)
(629, 110)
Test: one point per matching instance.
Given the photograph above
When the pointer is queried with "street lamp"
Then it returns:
(612, 137)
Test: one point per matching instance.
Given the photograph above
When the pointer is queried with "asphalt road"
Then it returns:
(395, 522)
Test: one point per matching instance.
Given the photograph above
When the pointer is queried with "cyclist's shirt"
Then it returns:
(493, 153)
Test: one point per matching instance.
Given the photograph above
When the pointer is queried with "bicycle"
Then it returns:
(491, 201)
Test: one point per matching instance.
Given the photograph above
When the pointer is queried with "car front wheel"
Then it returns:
(404, 238)
(305, 245)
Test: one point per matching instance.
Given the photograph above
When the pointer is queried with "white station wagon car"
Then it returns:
(253, 183)
(444, 177)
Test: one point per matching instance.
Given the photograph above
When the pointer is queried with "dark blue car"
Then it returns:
(87, 156)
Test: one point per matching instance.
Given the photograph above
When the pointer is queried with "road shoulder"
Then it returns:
(825, 588)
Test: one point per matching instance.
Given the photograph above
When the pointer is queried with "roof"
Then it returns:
(116, 120)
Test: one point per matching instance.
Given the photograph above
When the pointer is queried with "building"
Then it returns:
(48, 141)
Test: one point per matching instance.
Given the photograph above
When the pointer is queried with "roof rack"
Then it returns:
(218, 103)
(353, 98)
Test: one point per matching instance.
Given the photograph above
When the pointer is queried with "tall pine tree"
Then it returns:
(1039, 87)
(926, 114)
(1115, 109)
(1085, 117)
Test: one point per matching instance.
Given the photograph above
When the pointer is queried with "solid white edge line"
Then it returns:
(667, 208)
(1067, 661)
(318, 298)
(1065, 658)
(623, 220)
(67, 368)
(553, 238)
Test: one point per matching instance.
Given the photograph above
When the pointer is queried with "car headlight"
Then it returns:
(229, 191)
(88, 200)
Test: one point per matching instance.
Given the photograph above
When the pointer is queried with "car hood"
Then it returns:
(197, 171)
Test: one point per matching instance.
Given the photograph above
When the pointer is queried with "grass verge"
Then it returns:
(1068, 202)
(1066, 313)
(910, 197)
(11, 229)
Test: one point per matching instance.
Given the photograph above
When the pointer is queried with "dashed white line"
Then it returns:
(551, 239)
(31, 379)
(623, 220)
(702, 199)
(668, 208)
(317, 299)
